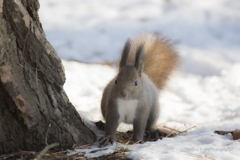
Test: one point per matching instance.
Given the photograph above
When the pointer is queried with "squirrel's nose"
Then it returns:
(123, 94)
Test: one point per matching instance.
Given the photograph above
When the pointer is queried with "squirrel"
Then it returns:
(132, 96)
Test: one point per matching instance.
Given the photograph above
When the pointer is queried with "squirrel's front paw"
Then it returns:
(103, 141)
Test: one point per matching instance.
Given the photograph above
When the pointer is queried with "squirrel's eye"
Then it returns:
(136, 83)
(115, 81)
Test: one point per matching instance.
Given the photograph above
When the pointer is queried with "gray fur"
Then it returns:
(125, 54)
(145, 93)
(139, 59)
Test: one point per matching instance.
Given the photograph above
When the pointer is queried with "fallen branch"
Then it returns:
(134, 143)
(180, 132)
(48, 147)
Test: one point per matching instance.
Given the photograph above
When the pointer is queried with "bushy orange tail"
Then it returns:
(161, 58)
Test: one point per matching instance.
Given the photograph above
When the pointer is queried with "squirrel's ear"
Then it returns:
(125, 53)
(139, 59)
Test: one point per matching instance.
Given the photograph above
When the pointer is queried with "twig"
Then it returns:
(47, 134)
(129, 139)
(104, 138)
(180, 132)
(185, 130)
(134, 143)
(189, 136)
(21, 65)
(38, 157)
(48, 147)
(177, 132)
(170, 128)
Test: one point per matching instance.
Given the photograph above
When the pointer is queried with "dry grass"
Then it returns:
(126, 137)
(189, 136)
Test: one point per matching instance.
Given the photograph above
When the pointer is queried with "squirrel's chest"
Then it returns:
(127, 110)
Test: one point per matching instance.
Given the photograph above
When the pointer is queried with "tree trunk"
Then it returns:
(31, 85)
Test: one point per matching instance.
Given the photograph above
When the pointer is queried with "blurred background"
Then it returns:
(206, 32)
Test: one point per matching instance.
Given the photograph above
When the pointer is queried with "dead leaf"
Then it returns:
(236, 134)
(223, 132)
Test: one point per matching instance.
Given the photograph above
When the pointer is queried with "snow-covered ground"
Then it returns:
(204, 92)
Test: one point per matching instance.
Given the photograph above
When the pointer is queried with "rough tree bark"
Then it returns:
(31, 85)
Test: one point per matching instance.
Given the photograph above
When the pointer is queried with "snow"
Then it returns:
(204, 92)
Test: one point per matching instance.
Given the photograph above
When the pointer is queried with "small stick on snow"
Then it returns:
(180, 132)
(171, 128)
(203, 156)
(189, 136)
(134, 143)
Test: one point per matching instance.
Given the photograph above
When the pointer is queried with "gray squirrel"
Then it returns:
(132, 96)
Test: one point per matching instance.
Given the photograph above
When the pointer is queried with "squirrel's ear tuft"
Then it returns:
(125, 53)
(139, 59)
